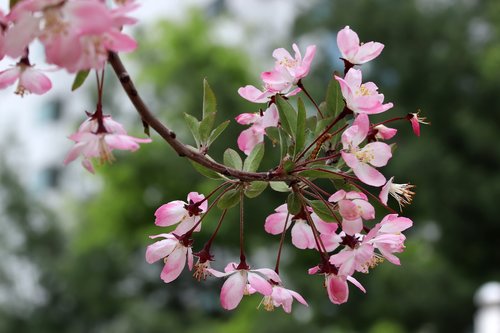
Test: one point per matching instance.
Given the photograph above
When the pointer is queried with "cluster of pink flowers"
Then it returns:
(284, 79)
(348, 241)
(77, 35)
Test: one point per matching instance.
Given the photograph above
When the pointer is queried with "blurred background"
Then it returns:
(72, 244)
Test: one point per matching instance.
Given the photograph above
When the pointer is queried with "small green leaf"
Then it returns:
(209, 102)
(334, 99)
(80, 76)
(280, 186)
(217, 131)
(320, 208)
(206, 171)
(206, 126)
(229, 199)
(194, 127)
(255, 189)
(288, 165)
(288, 116)
(232, 159)
(342, 184)
(293, 203)
(300, 131)
(253, 160)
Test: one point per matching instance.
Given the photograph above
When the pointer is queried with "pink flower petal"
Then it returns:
(302, 235)
(233, 290)
(260, 284)
(34, 81)
(174, 264)
(9, 76)
(160, 249)
(275, 223)
(170, 213)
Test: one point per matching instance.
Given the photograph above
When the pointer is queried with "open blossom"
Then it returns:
(185, 214)
(386, 236)
(296, 67)
(29, 79)
(95, 141)
(173, 252)
(281, 297)
(302, 233)
(286, 74)
(243, 281)
(254, 135)
(353, 207)
(355, 52)
(77, 35)
(361, 97)
(401, 192)
(359, 256)
(363, 160)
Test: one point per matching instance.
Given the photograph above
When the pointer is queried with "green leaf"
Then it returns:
(206, 126)
(217, 131)
(232, 159)
(206, 171)
(209, 102)
(194, 127)
(334, 99)
(288, 116)
(273, 134)
(80, 76)
(342, 184)
(320, 208)
(229, 199)
(293, 203)
(300, 130)
(253, 160)
(280, 186)
(255, 189)
(322, 172)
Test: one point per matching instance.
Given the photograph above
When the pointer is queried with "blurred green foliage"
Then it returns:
(436, 59)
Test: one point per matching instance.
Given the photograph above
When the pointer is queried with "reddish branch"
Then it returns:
(170, 137)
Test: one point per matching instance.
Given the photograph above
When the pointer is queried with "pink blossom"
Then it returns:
(30, 80)
(296, 67)
(384, 132)
(173, 252)
(353, 207)
(185, 214)
(92, 141)
(386, 236)
(337, 288)
(359, 258)
(361, 97)
(363, 160)
(77, 35)
(286, 74)
(243, 281)
(281, 297)
(254, 135)
(415, 120)
(302, 233)
(3, 27)
(355, 52)
(401, 192)
(336, 285)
